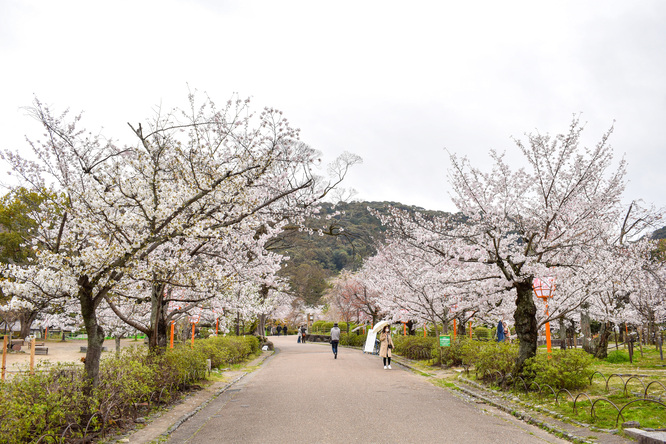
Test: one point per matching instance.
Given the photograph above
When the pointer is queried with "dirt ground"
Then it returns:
(69, 351)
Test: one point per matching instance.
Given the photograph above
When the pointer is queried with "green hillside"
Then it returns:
(314, 258)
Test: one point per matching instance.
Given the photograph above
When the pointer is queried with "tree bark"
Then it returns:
(95, 334)
(563, 333)
(525, 323)
(599, 346)
(586, 331)
(26, 318)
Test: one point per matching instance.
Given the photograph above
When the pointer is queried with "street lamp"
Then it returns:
(544, 289)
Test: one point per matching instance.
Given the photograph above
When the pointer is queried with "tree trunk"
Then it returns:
(563, 333)
(261, 326)
(525, 324)
(95, 334)
(26, 318)
(118, 338)
(157, 333)
(586, 331)
(599, 346)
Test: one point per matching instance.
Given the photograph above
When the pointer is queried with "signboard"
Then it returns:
(444, 341)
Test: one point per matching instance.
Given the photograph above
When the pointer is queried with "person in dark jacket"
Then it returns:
(335, 339)
(500, 331)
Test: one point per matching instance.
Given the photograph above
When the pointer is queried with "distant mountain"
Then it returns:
(659, 234)
(315, 258)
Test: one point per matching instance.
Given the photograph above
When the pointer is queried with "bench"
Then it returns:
(41, 350)
(37, 344)
(84, 349)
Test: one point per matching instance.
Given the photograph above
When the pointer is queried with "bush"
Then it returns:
(493, 356)
(617, 357)
(352, 339)
(482, 333)
(415, 347)
(569, 369)
(51, 400)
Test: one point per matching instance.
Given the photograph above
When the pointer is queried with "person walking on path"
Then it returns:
(335, 339)
(303, 334)
(386, 345)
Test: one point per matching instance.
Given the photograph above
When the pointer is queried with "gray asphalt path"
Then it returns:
(301, 394)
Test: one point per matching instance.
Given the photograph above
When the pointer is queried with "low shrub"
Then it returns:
(415, 347)
(494, 356)
(617, 357)
(569, 369)
(52, 401)
(352, 339)
(482, 333)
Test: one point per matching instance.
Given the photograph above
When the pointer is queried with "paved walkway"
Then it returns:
(301, 394)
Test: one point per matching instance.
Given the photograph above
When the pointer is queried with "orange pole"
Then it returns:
(470, 329)
(548, 349)
(454, 329)
(32, 357)
(193, 324)
(217, 325)
(172, 334)
(46, 332)
(404, 329)
(424, 331)
(4, 357)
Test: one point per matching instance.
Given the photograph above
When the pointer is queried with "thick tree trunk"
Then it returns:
(157, 334)
(261, 326)
(586, 331)
(525, 324)
(118, 338)
(599, 346)
(26, 319)
(95, 334)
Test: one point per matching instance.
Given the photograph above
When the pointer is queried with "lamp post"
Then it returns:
(544, 289)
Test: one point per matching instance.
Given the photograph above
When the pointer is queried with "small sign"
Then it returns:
(445, 341)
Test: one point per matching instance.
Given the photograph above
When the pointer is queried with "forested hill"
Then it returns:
(315, 258)
(659, 234)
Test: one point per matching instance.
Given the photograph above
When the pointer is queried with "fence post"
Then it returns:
(4, 356)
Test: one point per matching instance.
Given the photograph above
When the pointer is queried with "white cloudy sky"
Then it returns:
(395, 82)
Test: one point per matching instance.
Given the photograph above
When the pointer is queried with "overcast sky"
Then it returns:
(394, 82)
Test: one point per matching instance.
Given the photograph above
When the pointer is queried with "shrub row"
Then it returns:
(52, 403)
(568, 369)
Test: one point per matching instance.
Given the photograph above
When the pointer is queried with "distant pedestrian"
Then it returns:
(279, 329)
(507, 332)
(335, 339)
(284, 330)
(500, 331)
(303, 334)
(386, 345)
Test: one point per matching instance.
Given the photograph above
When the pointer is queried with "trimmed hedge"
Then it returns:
(51, 403)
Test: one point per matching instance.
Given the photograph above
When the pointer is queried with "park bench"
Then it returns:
(41, 350)
(84, 349)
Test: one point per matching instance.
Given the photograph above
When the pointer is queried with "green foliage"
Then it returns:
(493, 356)
(416, 347)
(569, 369)
(52, 399)
(617, 357)
(352, 339)
(482, 333)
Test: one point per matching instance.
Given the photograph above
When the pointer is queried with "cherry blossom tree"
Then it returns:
(191, 174)
(554, 214)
